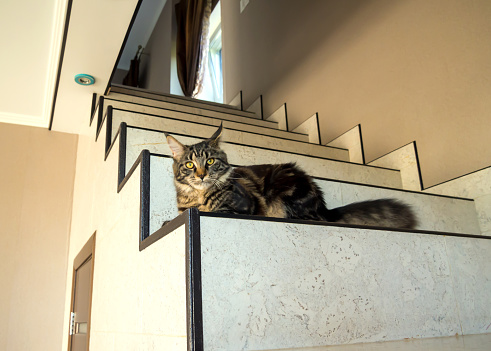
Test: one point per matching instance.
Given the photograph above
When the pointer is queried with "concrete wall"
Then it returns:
(36, 185)
(406, 70)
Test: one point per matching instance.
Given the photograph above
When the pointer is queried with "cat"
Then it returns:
(204, 179)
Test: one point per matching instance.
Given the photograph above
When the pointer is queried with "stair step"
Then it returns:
(171, 125)
(156, 96)
(232, 115)
(258, 284)
(475, 185)
(434, 212)
(155, 142)
(279, 116)
(229, 122)
(310, 127)
(406, 160)
(351, 140)
(257, 107)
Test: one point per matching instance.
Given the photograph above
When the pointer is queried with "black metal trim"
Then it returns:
(362, 147)
(60, 62)
(100, 113)
(419, 166)
(145, 195)
(318, 127)
(241, 101)
(123, 134)
(109, 126)
(93, 107)
(286, 118)
(264, 148)
(262, 110)
(202, 116)
(333, 224)
(194, 315)
(239, 130)
(123, 44)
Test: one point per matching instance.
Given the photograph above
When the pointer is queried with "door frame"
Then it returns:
(87, 252)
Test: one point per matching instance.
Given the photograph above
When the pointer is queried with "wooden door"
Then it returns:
(83, 268)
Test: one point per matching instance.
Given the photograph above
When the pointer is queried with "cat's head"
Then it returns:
(202, 165)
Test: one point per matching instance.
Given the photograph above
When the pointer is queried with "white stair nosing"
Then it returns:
(186, 116)
(310, 127)
(281, 143)
(353, 141)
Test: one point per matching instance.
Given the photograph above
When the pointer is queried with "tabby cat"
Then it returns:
(205, 180)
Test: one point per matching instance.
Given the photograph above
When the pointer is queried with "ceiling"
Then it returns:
(32, 39)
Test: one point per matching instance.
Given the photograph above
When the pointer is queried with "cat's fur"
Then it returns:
(272, 190)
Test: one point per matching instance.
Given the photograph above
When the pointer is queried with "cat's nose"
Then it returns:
(201, 176)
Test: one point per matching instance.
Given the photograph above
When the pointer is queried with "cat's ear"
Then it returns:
(214, 141)
(176, 147)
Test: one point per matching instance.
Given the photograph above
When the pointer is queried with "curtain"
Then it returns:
(192, 17)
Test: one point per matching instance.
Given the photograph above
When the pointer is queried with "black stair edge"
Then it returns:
(190, 219)
(243, 131)
(265, 148)
(179, 97)
(109, 99)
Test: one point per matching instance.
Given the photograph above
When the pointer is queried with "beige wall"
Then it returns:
(36, 186)
(156, 61)
(406, 70)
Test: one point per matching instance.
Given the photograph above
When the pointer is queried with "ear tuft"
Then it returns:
(176, 147)
(214, 141)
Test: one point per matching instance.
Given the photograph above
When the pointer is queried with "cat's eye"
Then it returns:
(190, 165)
(210, 161)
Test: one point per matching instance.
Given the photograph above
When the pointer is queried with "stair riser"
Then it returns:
(228, 124)
(183, 101)
(139, 139)
(272, 285)
(205, 131)
(157, 107)
(435, 213)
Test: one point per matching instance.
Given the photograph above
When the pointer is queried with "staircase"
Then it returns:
(208, 281)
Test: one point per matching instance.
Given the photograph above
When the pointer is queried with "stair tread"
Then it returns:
(191, 109)
(191, 117)
(442, 214)
(206, 130)
(185, 100)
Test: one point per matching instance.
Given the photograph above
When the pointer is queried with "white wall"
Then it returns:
(36, 183)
